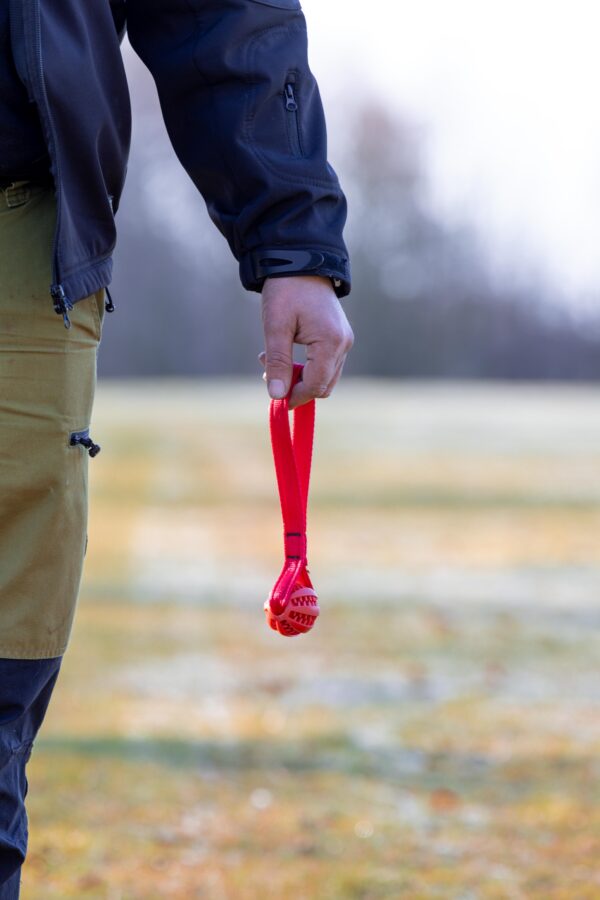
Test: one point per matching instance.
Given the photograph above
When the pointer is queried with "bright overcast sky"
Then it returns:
(509, 94)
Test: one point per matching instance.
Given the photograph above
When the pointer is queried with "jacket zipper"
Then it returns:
(62, 304)
(291, 105)
(60, 301)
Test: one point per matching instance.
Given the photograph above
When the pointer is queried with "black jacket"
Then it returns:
(242, 110)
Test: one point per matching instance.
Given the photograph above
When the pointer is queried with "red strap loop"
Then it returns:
(292, 607)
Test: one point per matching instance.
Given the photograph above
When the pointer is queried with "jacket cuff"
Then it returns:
(278, 262)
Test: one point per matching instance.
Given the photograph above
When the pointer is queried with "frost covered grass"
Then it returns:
(437, 735)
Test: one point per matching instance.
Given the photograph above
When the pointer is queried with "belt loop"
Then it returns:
(17, 193)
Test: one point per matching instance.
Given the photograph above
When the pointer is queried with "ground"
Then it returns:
(436, 735)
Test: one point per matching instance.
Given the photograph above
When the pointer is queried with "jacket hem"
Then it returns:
(88, 280)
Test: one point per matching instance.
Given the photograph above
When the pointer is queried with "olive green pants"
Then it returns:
(47, 382)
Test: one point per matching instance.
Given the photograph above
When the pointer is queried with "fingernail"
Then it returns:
(276, 389)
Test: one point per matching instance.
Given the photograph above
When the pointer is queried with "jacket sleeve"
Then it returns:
(245, 118)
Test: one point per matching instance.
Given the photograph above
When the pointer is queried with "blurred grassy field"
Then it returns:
(437, 735)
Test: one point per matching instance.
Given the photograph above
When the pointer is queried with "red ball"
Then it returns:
(299, 612)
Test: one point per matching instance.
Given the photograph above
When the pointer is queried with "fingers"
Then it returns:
(277, 358)
(305, 391)
(337, 374)
(320, 375)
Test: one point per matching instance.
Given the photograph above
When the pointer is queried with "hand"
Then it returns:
(303, 309)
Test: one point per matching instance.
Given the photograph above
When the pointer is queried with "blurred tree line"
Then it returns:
(424, 302)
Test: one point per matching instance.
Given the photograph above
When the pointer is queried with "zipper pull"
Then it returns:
(290, 98)
(85, 440)
(109, 306)
(92, 448)
(61, 303)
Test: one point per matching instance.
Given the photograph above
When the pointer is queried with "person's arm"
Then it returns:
(245, 118)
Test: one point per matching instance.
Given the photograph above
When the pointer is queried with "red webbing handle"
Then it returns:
(292, 606)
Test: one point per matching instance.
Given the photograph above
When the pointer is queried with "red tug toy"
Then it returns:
(292, 607)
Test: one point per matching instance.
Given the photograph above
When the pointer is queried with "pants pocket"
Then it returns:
(87, 316)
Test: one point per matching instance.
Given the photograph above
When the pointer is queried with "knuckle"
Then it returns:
(319, 390)
(337, 337)
(342, 338)
(278, 358)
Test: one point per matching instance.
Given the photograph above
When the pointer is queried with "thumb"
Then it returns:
(278, 362)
